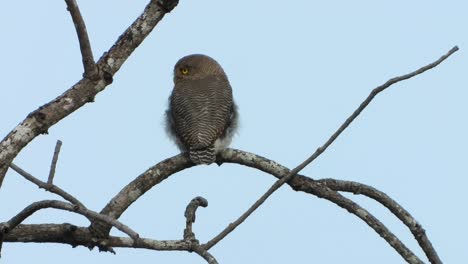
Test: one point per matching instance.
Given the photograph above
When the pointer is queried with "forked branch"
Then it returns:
(36, 206)
(333, 137)
(39, 121)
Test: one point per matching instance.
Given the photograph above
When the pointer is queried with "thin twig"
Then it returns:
(404, 216)
(190, 216)
(49, 187)
(34, 207)
(90, 68)
(53, 165)
(321, 149)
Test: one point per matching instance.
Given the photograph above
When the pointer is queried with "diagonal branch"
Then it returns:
(404, 216)
(333, 137)
(308, 185)
(49, 187)
(135, 189)
(84, 91)
(90, 69)
(36, 206)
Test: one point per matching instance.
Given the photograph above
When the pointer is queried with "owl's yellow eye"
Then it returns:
(184, 71)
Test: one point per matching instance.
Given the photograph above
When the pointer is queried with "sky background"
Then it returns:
(297, 69)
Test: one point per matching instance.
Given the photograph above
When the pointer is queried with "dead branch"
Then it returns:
(81, 236)
(48, 187)
(163, 170)
(333, 137)
(90, 69)
(151, 177)
(205, 254)
(190, 216)
(405, 217)
(308, 185)
(84, 91)
(53, 165)
(166, 168)
(36, 206)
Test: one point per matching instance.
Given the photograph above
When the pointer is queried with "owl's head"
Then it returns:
(197, 66)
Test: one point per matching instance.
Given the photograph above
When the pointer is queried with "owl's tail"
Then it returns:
(203, 156)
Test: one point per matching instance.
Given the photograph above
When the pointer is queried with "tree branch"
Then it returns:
(161, 171)
(53, 165)
(49, 187)
(164, 169)
(404, 216)
(303, 183)
(190, 216)
(333, 137)
(90, 69)
(137, 188)
(84, 91)
(204, 254)
(81, 236)
(36, 206)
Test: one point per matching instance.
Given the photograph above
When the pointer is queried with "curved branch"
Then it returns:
(202, 252)
(166, 168)
(36, 206)
(190, 215)
(84, 91)
(137, 188)
(405, 217)
(332, 138)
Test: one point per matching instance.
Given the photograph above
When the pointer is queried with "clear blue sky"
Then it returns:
(298, 69)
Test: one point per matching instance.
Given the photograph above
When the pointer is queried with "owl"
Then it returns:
(202, 115)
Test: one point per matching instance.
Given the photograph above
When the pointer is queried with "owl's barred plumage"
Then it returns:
(202, 115)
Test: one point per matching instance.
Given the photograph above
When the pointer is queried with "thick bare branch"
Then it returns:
(404, 216)
(137, 188)
(333, 137)
(302, 183)
(53, 165)
(305, 184)
(34, 207)
(90, 68)
(49, 187)
(84, 91)
(81, 236)
(164, 169)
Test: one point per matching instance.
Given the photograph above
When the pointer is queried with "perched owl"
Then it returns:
(202, 115)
